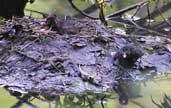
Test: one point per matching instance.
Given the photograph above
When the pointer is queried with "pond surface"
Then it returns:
(140, 96)
(63, 8)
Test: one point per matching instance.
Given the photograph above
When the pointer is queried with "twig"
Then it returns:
(102, 100)
(42, 13)
(159, 106)
(147, 29)
(88, 10)
(133, 24)
(23, 100)
(122, 11)
(81, 12)
(156, 13)
(25, 55)
(138, 104)
(163, 16)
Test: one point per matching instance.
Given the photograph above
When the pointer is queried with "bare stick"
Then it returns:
(122, 11)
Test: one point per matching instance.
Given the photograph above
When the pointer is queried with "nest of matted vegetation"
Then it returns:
(64, 56)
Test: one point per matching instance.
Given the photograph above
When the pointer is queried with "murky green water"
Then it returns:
(63, 8)
(140, 95)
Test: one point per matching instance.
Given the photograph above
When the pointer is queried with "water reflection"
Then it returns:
(166, 103)
(139, 95)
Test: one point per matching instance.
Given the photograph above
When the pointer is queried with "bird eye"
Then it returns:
(124, 55)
